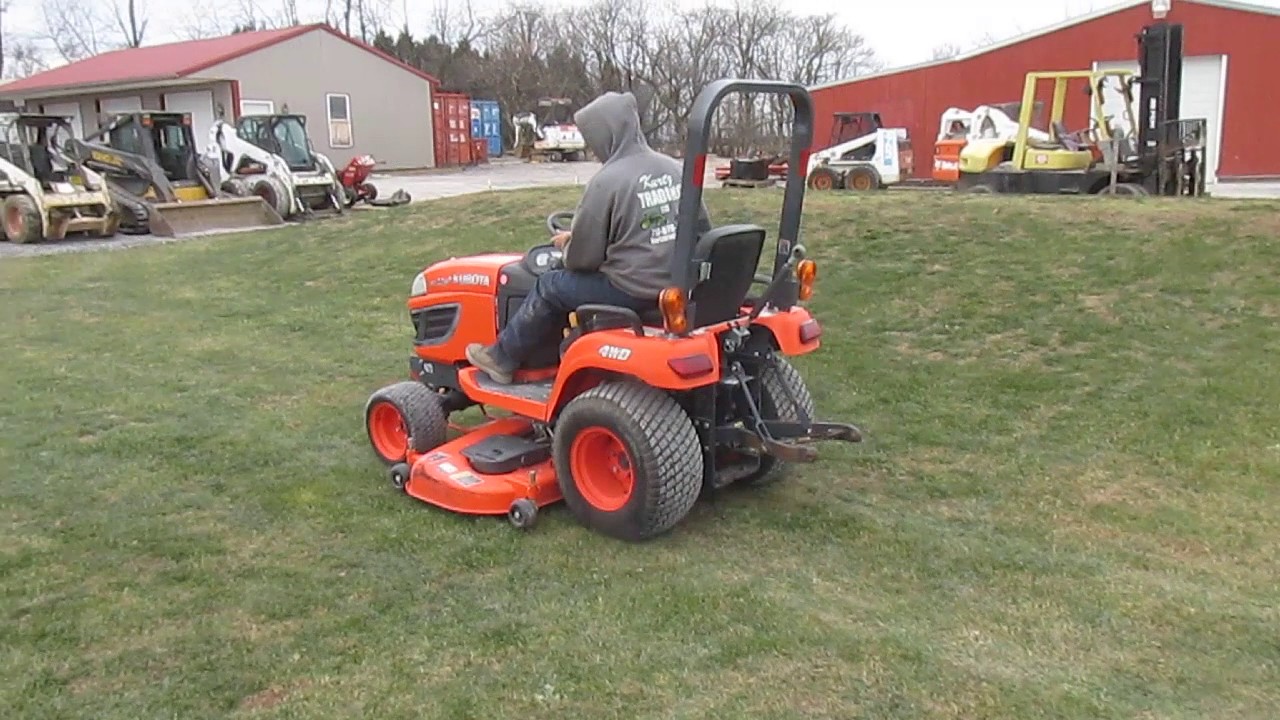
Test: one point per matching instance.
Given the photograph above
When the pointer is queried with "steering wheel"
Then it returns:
(555, 218)
(542, 258)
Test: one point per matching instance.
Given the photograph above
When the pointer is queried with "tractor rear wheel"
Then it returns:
(22, 219)
(403, 416)
(628, 460)
(783, 394)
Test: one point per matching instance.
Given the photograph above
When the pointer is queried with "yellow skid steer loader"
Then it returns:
(153, 169)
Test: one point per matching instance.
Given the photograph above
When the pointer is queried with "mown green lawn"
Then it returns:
(1066, 506)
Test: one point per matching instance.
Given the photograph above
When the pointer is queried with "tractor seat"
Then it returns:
(724, 265)
(724, 262)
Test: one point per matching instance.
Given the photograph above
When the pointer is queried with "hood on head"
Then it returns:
(610, 125)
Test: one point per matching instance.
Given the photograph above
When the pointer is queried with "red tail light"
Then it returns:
(810, 331)
(691, 366)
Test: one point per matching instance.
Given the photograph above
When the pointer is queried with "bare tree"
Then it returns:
(22, 58)
(288, 13)
(4, 50)
(131, 18)
(661, 51)
(456, 23)
(74, 28)
(945, 51)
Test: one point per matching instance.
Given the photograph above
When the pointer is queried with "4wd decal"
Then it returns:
(615, 353)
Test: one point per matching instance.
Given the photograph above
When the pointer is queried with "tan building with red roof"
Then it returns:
(357, 99)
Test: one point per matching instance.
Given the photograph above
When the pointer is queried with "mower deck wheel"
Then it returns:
(628, 460)
(402, 415)
(399, 476)
(782, 394)
(522, 513)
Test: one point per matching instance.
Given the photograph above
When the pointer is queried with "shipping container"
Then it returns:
(451, 113)
(486, 123)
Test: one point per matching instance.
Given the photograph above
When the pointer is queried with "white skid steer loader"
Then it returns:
(46, 194)
(271, 156)
(869, 162)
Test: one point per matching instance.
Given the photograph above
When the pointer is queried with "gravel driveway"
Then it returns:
(501, 174)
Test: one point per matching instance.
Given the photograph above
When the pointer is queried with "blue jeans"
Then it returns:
(546, 310)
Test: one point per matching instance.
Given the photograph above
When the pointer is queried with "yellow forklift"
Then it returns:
(1159, 155)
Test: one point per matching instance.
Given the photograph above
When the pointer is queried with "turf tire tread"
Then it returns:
(424, 417)
(665, 451)
(777, 404)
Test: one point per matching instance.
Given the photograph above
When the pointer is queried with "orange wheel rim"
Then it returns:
(602, 469)
(822, 182)
(862, 182)
(387, 431)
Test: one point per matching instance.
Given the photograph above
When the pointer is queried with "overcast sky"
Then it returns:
(901, 31)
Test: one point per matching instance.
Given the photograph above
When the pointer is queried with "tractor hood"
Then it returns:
(610, 125)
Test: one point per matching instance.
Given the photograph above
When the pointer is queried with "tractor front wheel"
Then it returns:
(628, 460)
(783, 394)
(403, 416)
(22, 219)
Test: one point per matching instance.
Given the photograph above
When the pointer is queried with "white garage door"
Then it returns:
(71, 110)
(1203, 88)
(199, 104)
(111, 106)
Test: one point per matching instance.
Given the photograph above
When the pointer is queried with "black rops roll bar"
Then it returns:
(695, 160)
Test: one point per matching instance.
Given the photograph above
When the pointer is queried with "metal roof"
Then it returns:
(1071, 22)
(173, 61)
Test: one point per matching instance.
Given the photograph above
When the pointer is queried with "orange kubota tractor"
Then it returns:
(629, 417)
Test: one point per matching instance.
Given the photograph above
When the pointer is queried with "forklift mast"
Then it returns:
(1160, 82)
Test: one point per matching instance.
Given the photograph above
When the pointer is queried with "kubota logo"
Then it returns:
(615, 353)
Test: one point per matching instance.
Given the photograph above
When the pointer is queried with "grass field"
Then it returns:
(1066, 506)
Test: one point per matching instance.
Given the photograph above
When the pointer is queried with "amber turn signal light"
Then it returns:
(671, 303)
(806, 273)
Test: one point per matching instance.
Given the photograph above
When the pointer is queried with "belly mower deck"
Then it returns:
(497, 468)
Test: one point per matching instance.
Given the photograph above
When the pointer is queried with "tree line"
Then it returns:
(660, 51)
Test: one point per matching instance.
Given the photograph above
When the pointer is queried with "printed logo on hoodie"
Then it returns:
(657, 196)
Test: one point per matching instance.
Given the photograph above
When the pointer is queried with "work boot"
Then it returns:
(487, 359)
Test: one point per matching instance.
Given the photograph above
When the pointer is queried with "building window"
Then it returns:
(339, 106)
(257, 107)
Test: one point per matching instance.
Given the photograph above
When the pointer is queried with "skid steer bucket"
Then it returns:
(191, 217)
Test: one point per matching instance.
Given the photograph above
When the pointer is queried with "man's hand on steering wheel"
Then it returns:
(560, 238)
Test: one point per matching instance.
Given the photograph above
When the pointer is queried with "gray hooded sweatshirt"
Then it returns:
(625, 224)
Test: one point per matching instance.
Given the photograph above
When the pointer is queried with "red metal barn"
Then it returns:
(1230, 59)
